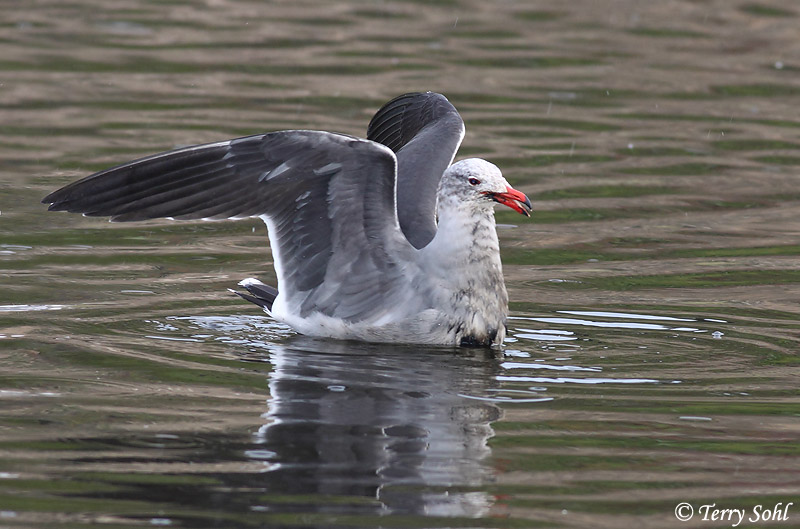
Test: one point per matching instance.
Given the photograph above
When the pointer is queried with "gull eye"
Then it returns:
(474, 181)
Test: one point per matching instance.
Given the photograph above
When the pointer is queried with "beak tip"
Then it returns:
(514, 199)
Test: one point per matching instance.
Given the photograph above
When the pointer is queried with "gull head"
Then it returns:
(480, 182)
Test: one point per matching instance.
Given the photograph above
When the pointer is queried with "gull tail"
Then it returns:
(260, 294)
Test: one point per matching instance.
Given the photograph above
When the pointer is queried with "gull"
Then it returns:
(382, 239)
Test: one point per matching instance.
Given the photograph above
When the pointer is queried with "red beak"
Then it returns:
(513, 199)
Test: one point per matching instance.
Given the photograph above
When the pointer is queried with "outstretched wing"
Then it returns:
(328, 201)
(424, 130)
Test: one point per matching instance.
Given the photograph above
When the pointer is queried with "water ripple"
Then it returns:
(566, 380)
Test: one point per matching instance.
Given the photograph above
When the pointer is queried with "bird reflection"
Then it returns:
(389, 423)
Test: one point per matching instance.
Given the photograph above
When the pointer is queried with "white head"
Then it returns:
(479, 182)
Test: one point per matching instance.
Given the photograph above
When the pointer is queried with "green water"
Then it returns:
(653, 352)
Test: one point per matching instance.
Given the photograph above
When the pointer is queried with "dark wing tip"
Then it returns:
(175, 183)
(55, 199)
(402, 118)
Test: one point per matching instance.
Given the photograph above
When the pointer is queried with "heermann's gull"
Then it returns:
(381, 240)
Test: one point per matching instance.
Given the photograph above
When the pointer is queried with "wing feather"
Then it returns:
(329, 200)
(424, 130)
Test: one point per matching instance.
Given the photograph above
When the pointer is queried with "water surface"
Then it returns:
(653, 346)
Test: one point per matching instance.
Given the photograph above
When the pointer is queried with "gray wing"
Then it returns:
(328, 200)
(424, 130)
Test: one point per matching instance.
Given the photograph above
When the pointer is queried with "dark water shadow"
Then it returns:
(390, 423)
(347, 429)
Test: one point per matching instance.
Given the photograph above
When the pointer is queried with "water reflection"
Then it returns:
(391, 424)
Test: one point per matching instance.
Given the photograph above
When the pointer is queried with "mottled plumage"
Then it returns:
(378, 240)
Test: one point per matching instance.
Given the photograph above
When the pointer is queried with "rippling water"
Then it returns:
(653, 348)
